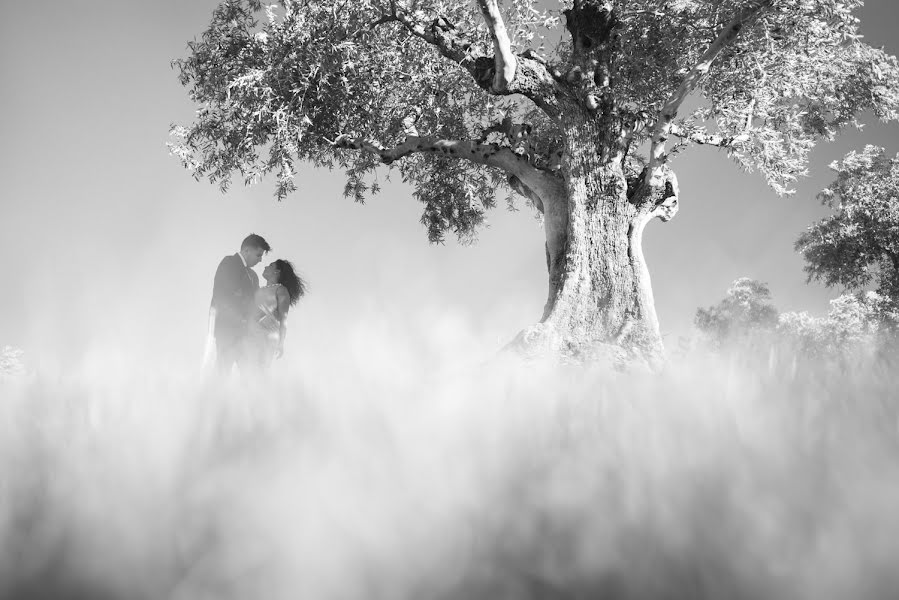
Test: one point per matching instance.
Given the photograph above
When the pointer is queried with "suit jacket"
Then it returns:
(232, 297)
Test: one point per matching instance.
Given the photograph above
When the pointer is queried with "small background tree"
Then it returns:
(857, 326)
(745, 311)
(11, 361)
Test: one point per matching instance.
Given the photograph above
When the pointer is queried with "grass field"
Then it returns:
(405, 477)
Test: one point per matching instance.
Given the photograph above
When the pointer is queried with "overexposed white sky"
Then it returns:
(106, 241)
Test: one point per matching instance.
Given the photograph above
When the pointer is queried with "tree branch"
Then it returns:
(529, 77)
(705, 139)
(504, 59)
(540, 181)
(669, 110)
(440, 35)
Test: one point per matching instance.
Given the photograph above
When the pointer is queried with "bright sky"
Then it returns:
(105, 239)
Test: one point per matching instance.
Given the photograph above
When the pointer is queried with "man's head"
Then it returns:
(252, 249)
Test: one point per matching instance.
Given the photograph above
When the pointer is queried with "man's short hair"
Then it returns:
(255, 241)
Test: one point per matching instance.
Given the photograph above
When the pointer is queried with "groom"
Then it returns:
(232, 300)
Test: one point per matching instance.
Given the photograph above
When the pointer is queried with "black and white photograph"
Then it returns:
(449, 299)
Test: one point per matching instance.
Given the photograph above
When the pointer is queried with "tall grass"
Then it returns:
(410, 475)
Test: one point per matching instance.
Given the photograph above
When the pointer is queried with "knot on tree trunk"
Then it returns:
(660, 197)
(484, 69)
(667, 205)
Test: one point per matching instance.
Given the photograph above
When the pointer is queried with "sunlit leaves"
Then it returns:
(801, 73)
(795, 75)
(276, 91)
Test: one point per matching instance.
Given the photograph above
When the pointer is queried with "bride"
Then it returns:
(271, 304)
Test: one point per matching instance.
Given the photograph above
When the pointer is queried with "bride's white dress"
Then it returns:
(265, 326)
(263, 336)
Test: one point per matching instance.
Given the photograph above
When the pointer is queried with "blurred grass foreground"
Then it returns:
(736, 476)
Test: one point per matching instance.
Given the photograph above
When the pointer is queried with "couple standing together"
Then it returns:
(248, 321)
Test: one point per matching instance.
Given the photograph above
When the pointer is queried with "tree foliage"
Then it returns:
(338, 85)
(284, 90)
(858, 245)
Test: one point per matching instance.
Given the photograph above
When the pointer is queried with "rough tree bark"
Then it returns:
(599, 291)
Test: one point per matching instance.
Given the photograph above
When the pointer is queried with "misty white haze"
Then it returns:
(393, 452)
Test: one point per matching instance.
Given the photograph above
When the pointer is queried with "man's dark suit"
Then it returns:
(232, 298)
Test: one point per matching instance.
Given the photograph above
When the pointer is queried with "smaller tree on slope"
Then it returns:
(745, 310)
(857, 325)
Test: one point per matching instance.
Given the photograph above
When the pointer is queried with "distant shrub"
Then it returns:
(11, 361)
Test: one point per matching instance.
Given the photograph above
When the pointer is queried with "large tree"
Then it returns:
(464, 98)
(858, 245)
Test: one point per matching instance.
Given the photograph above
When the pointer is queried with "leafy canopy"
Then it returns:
(859, 243)
(279, 84)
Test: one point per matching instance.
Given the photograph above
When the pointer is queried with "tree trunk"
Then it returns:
(600, 294)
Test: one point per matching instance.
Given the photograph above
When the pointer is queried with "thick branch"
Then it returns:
(540, 181)
(669, 110)
(528, 76)
(504, 59)
(706, 139)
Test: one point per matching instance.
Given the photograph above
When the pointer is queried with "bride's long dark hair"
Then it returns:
(288, 277)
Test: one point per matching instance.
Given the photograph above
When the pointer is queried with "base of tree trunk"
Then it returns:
(543, 342)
